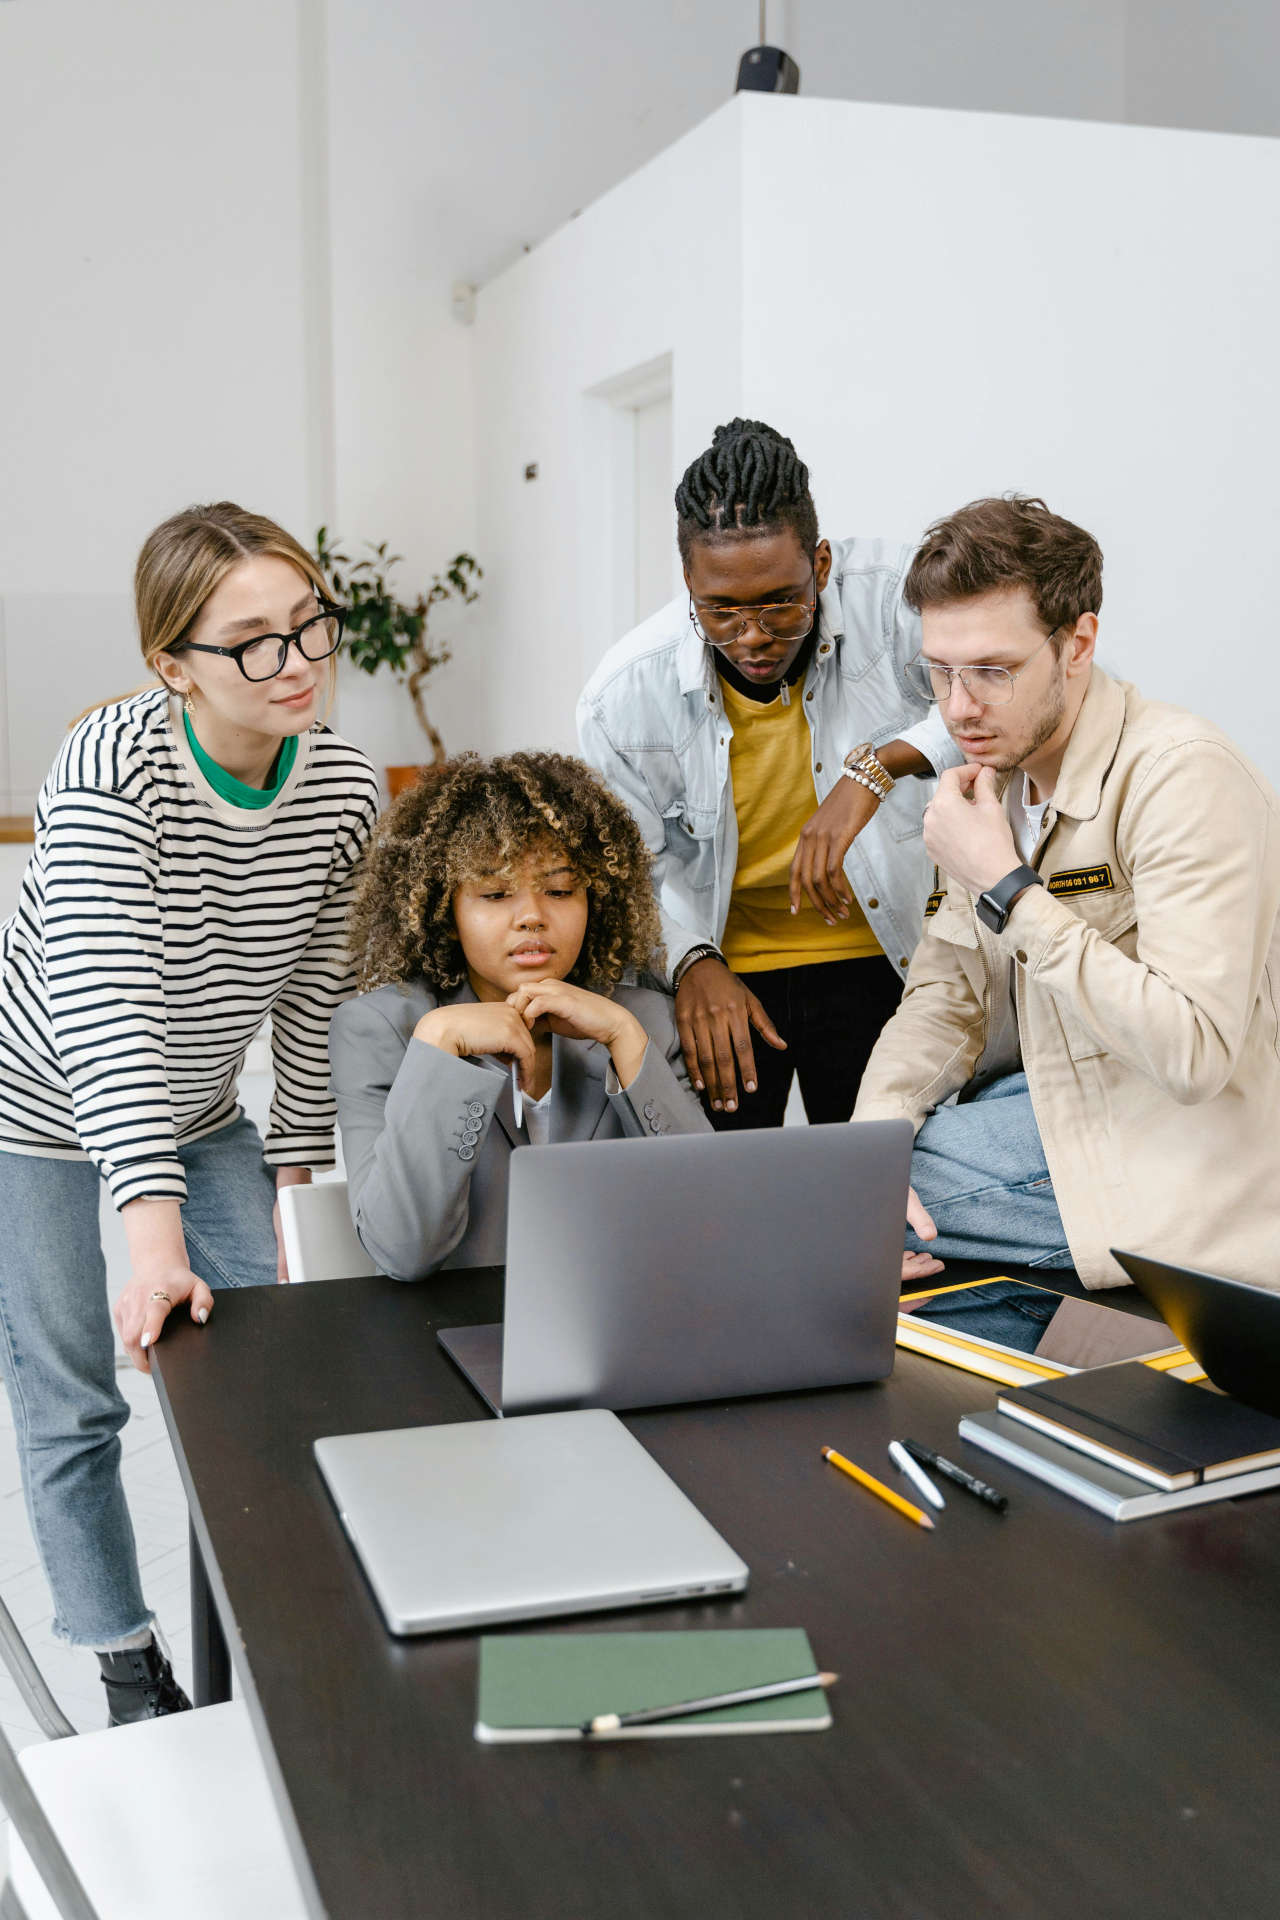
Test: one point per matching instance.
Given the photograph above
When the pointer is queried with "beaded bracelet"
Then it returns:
(854, 773)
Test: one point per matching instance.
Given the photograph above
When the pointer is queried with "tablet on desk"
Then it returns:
(483, 1521)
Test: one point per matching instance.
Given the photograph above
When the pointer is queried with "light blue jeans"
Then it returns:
(979, 1169)
(57, 1350)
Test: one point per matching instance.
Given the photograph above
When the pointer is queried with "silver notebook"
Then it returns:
(484, 1521)
(696, 1267)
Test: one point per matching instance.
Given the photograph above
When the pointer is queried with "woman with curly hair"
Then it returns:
(503, 905)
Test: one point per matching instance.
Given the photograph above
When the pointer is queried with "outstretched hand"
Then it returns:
(145, 1304)
(817, 866)
(919, 1266)
(715, 1012)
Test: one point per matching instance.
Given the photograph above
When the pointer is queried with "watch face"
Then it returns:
(995, 906)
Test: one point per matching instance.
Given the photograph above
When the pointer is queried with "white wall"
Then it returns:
(401, 361)
(219, 283)
(1197, 63)
(230, 236)
(651, 530)
(1082, 311)
(998, 56)
(152, 334)
(985, 302)
(460, 137)
(630, 282)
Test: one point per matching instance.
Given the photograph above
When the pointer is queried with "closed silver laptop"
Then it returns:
(479, 1522)
(696, 1267)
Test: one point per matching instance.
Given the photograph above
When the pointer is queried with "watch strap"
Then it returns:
(993, 907)
(860, 779)
(703, 951)
(863, 765)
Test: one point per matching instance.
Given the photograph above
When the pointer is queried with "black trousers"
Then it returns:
(830, 1016)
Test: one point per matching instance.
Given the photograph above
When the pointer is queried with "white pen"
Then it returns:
(517, 1099)
(916, 1474)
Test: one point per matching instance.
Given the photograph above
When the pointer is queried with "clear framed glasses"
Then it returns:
(989, 686)
(263, 657)
(776, 619)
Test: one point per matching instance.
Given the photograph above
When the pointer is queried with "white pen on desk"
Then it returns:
(916, 1474)
(517, 1098)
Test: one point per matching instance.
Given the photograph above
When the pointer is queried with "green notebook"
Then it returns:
(543, 1686)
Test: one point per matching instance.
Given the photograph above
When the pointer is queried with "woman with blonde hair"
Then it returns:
(505, 913)
(192, 871)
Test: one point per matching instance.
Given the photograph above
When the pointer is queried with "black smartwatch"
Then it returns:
(995, 905)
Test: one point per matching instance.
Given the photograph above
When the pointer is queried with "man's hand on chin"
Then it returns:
(966, 829)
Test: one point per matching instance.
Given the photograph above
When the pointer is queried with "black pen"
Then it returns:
(950, 1471)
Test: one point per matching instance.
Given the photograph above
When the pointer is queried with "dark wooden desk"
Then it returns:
(1043, 1716)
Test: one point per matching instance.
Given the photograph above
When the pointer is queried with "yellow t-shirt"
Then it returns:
(770, 767)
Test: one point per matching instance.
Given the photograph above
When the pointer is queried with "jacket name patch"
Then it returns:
(1083, 880)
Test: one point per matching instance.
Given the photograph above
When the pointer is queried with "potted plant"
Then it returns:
(382, 631)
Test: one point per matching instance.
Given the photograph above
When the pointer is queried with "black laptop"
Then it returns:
(1233, 1329)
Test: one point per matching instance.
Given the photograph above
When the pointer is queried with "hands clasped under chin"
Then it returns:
(511, 1028)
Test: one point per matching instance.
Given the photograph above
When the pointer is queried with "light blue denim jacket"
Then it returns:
(652, 720)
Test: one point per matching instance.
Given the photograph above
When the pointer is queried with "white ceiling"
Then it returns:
(511, 116)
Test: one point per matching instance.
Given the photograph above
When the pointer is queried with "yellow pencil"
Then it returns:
(869, 1481)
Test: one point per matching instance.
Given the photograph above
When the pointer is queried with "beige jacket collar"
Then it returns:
(1091, 749)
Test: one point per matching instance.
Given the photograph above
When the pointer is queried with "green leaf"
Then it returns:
(383, 631)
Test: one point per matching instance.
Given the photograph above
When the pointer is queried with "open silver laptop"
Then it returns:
(467, 1525)
(696, 1267)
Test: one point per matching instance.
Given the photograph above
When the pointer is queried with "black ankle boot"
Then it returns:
(140, 1685)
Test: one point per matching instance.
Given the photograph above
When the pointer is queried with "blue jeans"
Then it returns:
(979, 1170)
(57, 1350)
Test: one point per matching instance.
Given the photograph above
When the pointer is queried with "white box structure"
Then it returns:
(934, 305)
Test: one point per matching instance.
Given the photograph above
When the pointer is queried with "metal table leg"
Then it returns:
(210, 1659)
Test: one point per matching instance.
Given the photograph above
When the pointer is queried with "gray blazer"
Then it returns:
(428, 1138)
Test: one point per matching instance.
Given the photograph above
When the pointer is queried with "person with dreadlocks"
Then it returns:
(778, 761)
(504, 903)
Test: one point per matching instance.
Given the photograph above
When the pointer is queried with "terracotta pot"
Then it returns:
(400, 779)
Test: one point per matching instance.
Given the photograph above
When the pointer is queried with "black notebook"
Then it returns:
(1161, 1430)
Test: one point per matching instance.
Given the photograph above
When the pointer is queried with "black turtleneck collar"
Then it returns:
(764, 695)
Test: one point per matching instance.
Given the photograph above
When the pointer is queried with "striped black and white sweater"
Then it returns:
(157, 927)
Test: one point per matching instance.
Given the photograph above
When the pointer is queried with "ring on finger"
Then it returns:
(160, 1296)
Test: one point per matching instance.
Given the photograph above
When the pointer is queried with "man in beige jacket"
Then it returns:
(1099, 977)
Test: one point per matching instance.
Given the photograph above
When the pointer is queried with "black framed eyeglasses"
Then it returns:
(263, 657)
(776, 619)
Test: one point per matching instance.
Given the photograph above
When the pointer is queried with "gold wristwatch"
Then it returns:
(863, 767)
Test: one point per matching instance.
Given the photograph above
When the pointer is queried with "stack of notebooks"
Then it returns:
(1131, 1441)
(1011, 1331)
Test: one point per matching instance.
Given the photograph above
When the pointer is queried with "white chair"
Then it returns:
(319, 1240)
(144, 1822)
